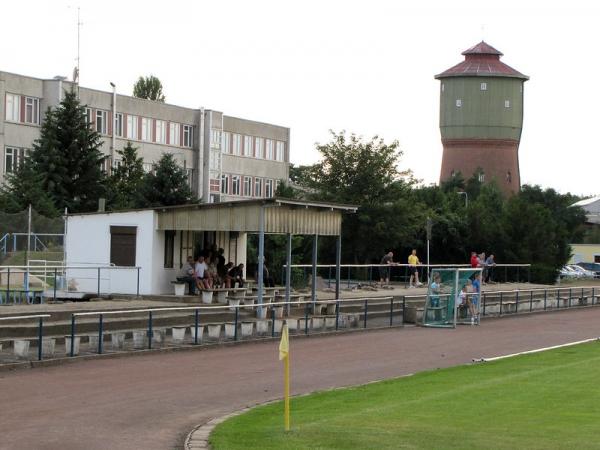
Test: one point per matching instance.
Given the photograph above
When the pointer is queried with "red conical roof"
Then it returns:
(482, 60)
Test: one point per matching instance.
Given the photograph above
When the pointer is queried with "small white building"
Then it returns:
(121, 252)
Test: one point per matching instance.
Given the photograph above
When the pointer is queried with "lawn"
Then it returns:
(548, 400)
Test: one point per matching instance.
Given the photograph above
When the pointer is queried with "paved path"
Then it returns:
(151, 402)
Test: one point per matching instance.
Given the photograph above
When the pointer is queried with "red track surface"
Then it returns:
(151, 402)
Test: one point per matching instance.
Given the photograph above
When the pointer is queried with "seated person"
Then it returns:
(201, 274)
(237, 275)
(186, 275)
(268, 280)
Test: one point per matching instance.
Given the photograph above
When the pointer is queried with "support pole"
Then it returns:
(261, 257)
(27, 251)
(313, 295)
(288, 272)
(338, 263)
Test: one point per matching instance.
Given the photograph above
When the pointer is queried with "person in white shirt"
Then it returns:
(201, 272)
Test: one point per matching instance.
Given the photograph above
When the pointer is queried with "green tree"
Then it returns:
(65, 161)
(126, 180)
(166, 185)
(24, 188)
(149, 88)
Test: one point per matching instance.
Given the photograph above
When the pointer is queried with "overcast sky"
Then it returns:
(362, 66)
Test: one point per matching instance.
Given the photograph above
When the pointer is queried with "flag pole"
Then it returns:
(286, 364)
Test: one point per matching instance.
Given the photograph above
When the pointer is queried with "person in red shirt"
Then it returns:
(474, 260)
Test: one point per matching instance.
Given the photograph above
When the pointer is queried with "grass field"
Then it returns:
(548, 400)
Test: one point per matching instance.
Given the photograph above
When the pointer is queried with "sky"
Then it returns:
(366, 67)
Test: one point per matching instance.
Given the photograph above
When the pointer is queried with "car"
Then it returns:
(594, 267)
(583, 273)
(567, 272)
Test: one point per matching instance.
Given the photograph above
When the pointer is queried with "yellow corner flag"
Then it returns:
(284, 354)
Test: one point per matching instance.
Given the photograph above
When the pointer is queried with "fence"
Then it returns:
(33, 283)
(353, 274)
(40, 334)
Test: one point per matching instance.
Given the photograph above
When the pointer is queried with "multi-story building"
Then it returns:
(226, 158)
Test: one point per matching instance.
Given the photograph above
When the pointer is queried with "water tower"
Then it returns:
(481, 117)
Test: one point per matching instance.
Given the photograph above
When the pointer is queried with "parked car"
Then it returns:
(582, 272)
(567, 272)
(593, 267)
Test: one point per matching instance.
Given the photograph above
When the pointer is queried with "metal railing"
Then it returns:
(40, 318)
(52, 274)
(353, 274)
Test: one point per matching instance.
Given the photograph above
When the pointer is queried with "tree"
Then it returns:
(166, 185)
(126, 180)
(65, 162)
(25, 188)
(149, 88)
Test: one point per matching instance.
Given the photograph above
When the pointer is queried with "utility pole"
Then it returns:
(428, 228)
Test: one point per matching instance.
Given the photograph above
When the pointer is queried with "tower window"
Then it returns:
(458, 102)
(481, 177)
(508, 177)
(507, 103)
(484, 86)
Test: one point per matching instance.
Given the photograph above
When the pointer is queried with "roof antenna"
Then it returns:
(482, 32)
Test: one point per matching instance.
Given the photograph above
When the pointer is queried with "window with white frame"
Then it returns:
(236, 144)
(101, 121)
(148, 167)
(507, 103)
(224, 184)
(32, 110)
(258, 187)
(268, 188)
(118, 130)
(483, 86)
(161, 132)
(458, 102)
(146, 129)
(215, 138)
(13, 108)
(174, 134)
(248, 147)
(269, 151)
(13, 158)
(236, 182)
(188, 136)
(132, 127)
(226, 142)
(247, 186)
(481, 177)
(117, 163)
(88, 116)
(259, 147)
(280, 151)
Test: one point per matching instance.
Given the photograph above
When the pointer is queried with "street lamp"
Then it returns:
(466, 197)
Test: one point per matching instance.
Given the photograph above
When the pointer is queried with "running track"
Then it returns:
(151, 402)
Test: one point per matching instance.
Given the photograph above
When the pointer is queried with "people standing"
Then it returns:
(386, 262)
(474, 304)
(490, 263)
(413, 262)
(474, 260)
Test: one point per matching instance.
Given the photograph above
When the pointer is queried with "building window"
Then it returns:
(148, 167)
(269, 153)
(101, 121)
(116, 163)
(507, 103)
(259, 148)
(481, 177)
(508, 177)
(132, 127)
(458, 102)
(268, 188)
(236, 144)
(226, 147)
(32, 110)
(146, 129)
(13, 108)
(188, 136)
(88, 116)
(248, 147)
(215, 138)
(118, 125)
(235, 185)
(484, 86)
(280, 151)
(174, 134)
(122, 245)
(224, 184)
(169, 249)
(247, 186)
(258, 187)
(161, 132)
(13, 158)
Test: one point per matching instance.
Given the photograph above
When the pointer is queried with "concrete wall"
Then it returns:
(585, 253)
